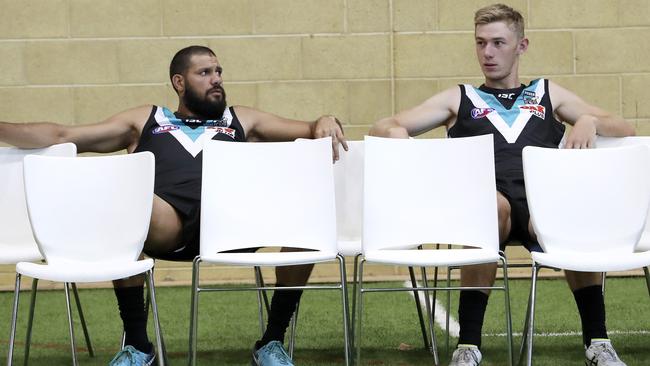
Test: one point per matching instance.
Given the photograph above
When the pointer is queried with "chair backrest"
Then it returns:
(275, 194)
(607, 142)
(348, 184)
(429, 191)
(14, 222)
(587, 199)
(90, 208)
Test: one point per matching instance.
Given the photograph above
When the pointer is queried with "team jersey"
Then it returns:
(177, 145)
(515, 117)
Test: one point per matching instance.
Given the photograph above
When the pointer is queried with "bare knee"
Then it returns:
(504, 212)
(578, 280)
(482, 275)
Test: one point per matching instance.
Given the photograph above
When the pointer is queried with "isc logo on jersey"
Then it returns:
(481, 112)
(535, 109)
(164, 129)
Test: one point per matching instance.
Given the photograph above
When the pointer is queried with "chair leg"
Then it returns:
(602, 285)
(430, 314)
(292, 325)
(156, 321)
(506, 287)
(524, 334)
(261, 298)
(82, 319)
(30, 319)
(69, 308)
(418, 307)
(646, 270)
(359, 319)
(355, 273)
(194, 311)
(531, 321)
(448, 310)
(14, 317)
(344, 304)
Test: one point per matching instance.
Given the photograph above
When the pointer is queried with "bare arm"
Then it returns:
(120, 131)
(436, 111)
(587, 120)
(265, 126)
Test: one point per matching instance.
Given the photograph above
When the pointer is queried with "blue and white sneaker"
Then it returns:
(271, 354)
(129, 356)
(466, 355)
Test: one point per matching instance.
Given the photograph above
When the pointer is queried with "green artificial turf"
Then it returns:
(391, 335)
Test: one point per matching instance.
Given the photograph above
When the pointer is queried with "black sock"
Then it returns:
(131, 303)
(591, 305)
(283, 305)
(471, 311)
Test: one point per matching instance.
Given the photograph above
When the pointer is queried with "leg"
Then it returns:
(284, 302)
(587, 291)
(69, 308)
(30, 320)
(165, 234)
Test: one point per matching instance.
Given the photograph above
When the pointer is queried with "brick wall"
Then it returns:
(78, 61)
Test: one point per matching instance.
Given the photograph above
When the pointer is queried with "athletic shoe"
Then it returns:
(601, 353)
(271, 354)
(130, 356)
(466, 355)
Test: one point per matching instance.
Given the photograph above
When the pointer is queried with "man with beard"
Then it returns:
(176, 139)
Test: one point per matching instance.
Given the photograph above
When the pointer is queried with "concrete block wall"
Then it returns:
(79, 61)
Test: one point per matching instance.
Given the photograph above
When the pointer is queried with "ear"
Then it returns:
(178, 82)
(522, 46)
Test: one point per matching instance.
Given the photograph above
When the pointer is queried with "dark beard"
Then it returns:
(201, 107)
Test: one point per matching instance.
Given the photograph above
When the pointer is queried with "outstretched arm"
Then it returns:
(438, 110)
(587, 120)
(120, 131)
(270, 127)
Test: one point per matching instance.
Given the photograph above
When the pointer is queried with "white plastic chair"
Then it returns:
(430, 191)
(588, 208)
(278, 194)
(90, 217)
(348, 187)
(604, 142)
(16, 239)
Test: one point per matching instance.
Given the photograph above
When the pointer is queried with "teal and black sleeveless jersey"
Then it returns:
(516, 118)
(177, 145)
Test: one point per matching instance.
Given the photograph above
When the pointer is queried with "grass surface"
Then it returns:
(229, 327)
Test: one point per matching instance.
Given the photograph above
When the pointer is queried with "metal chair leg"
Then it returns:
(524, 334)
(511, 356)
(448, 310)
(646, 270)
(69, 308)
(418, 307)
(344, 304)
(261, 298)
(14, 317)
(194, 311)
(531, 321)
(82, 319)
(360, 313)
(156, 321)
(355, 280)
(292, 325)
(430, 314)
(30, 319)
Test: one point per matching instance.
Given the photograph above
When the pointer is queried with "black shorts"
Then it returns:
(191, 238)
(514, 190)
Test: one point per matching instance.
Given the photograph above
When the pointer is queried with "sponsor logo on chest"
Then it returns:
(478, 113)
(535, 109)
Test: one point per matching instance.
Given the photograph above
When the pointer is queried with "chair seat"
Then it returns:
(13, 253)
(84, 271)
(349, 248)
(270, 259)
(432, 257)
(605, 261)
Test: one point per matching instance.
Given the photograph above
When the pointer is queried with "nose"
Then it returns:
(216, 79)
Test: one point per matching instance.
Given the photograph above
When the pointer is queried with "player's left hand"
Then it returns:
(330, 126)
(583, 133)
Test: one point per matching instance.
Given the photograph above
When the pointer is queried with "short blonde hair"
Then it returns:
(501, 13)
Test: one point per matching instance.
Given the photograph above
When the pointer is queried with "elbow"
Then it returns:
(388, 128)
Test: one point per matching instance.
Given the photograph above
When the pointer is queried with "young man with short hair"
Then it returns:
(517, 116)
